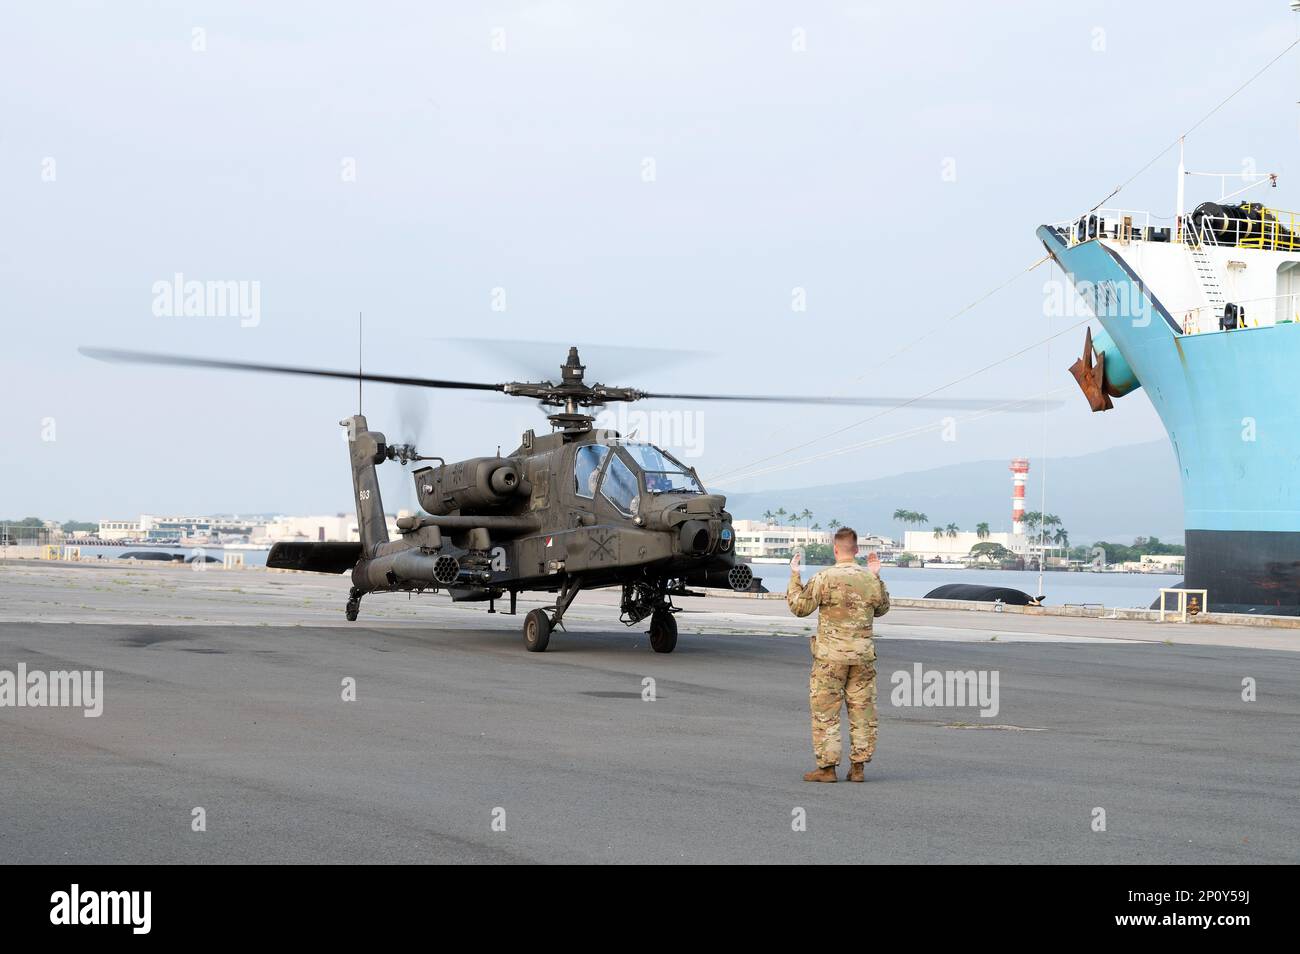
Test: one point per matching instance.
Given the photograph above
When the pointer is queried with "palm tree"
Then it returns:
(768, 516)
(951, 530)
(1031, 520)
(1047, 521)
(1062, 538)
(982, 530)
(806, 515)
(780, 514)
(835, 524)
(919, 519)
(816, 526)
(938, 533)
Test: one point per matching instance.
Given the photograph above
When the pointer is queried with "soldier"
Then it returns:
(844, 654)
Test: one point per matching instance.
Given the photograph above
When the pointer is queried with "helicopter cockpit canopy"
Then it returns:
(632, 468)
(664, 474)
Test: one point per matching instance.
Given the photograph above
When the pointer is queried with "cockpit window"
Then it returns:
(619, 486)
(586, 468)
(664, 474)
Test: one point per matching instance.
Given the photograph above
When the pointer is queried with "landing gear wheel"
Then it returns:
(537, 631)
(663, 632)
(354, 606)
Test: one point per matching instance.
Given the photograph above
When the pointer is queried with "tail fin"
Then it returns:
(367, 448)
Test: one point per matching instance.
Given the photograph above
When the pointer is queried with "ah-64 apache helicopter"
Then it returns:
(579, 508)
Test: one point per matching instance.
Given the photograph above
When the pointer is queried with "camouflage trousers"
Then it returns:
(830, 687)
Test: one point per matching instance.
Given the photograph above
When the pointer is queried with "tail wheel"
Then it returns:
(537, 631)
(663, 632)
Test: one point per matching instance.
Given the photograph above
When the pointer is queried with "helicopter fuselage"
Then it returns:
(564, 512)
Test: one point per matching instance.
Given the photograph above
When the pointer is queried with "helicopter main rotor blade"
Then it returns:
(557, 394)
(186, 361)
(1012, 405)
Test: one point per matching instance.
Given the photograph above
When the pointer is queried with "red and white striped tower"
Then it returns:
(1019, 474)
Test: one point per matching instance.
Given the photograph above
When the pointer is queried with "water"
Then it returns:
(1123, 590)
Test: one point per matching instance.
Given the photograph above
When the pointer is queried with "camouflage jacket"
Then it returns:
(849, 598)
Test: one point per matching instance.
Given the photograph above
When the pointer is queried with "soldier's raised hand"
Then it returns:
(873, 562)
(796, 559)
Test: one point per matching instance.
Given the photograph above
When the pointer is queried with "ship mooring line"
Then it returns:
(953, 317)
(745, 470)
(1154, 159)
(957, 314)
(901, 435)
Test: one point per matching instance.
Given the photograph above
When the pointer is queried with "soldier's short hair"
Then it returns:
(846, 537)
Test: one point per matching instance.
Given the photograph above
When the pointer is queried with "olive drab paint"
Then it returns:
(532, 520)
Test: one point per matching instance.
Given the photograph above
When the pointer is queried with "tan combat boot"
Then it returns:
(824, 774)
(855, 772)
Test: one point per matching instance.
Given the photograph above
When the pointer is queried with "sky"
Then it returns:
(797, 198)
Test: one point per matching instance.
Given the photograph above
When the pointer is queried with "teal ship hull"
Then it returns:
(1227, 399)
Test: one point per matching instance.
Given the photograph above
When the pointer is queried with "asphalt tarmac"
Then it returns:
(461, 747)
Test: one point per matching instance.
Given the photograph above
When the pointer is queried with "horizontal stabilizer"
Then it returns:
(314, 557)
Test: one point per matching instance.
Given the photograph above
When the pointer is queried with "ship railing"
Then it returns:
(1276, 230)
(1122, 225)
(1258, 313)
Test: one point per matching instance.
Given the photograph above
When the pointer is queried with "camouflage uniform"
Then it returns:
(844, 655)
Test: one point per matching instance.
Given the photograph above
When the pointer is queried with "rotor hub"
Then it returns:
(572, 394)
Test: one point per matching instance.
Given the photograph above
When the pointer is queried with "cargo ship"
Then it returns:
(1203, 316)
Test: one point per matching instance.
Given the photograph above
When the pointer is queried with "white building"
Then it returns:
(885, 547)
(756, 540)
(334, 527)
(924, 544)
(1161, 562)
(119, 529)
(150, 527)
(340, 527)
(212, 528)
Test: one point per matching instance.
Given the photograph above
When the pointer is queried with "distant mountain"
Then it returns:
(1111, 495)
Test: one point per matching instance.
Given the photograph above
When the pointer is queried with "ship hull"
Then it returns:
(1228, 404)
(1246, 571)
